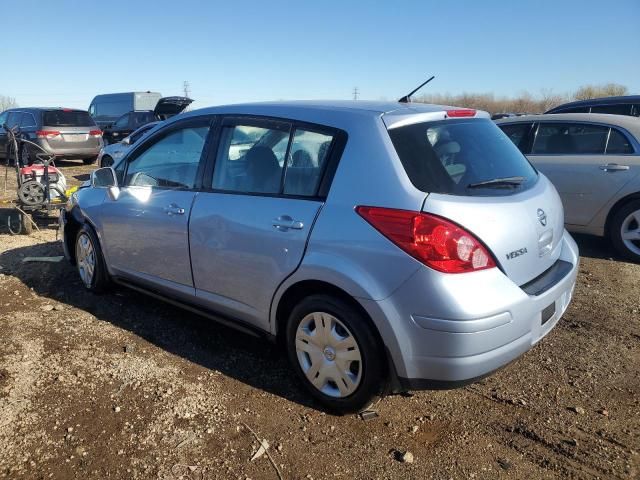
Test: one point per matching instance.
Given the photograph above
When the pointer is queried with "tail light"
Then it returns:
(462, 112)
(435, 241)
(95, 133)
(47, 133)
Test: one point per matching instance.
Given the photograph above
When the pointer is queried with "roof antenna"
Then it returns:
(407, 98)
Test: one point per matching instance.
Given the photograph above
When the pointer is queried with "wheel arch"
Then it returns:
(617, 206)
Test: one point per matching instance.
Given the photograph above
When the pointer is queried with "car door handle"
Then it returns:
(614, 167)
(285, 222)
(173, 209)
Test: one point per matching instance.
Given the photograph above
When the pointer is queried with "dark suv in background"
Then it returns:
(64, 132)
(130, 121)
(624, 105)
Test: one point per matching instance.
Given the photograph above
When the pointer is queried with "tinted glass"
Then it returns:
(27, 121)
(305, 164)
(3, 118)
(171, 162)
(122, 122)
(451, 156)
(67, 118)
(618, 143)
(141, 118)
(636, 110)
(250, 159)
(113, 109)
(13, 119)
(517, 133)
(570, 138)
(620, 109)
(573, 110)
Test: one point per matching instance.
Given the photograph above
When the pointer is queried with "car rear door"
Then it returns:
(572, 155)
(249, 232)
(144, 227)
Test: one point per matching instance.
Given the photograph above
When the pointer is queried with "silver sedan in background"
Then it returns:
(594, 162)
(111, 154)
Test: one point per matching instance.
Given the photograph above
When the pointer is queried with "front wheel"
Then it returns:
(106, 161)
(89, 161)
(89, 261)
(335, 352)
(625, 231)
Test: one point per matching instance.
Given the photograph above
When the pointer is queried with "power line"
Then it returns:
(187, 91)
(356, 93)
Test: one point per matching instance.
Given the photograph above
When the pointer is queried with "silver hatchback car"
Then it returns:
(387, 246)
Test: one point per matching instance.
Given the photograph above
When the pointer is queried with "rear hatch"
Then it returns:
(69, 130)
(170, 106)
(474, 176)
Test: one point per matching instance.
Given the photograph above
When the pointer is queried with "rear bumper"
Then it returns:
(470, 326)
(72, 152)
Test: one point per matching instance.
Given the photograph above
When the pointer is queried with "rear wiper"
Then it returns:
(498, 182)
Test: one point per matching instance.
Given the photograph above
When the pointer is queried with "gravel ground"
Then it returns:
(121, 386)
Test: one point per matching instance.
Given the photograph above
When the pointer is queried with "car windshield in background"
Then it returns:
(67, 118)
(469, 157)
(141, 118)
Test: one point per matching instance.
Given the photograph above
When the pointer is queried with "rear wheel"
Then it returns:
(625, 230)
(89, 261)
(335, 352)
(25, 155)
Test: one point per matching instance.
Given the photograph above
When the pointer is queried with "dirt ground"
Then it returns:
(120, 386)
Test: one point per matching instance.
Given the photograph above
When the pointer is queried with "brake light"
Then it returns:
(47, 133)
(435, 241)
(95, 133)
(463, 112)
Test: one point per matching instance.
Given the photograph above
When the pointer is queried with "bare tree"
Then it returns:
(7, 102)
(596, 91)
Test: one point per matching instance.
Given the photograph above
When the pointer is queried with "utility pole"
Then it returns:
(356, 93)
(187, 91)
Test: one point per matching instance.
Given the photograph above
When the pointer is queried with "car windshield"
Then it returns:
(67, 118)
(467, 157)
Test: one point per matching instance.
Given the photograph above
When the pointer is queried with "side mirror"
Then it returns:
(104, 178)
(126, 140)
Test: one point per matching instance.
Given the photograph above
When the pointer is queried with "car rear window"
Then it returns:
(67, 118)
(466, 157)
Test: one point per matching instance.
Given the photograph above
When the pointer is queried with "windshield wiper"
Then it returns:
(498, 182)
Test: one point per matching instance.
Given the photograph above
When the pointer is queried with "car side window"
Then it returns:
(13, 119)
(618, 143)
(618, 109)
(122, 122)
(517, 133)
(27, 121)
(305, 163)
(170, 162)
(570, 139)
(250, 159)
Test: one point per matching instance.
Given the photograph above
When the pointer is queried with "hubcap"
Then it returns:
(630, 232)
(328, 354)
(85, 258)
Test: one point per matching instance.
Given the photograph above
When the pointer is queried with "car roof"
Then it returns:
(362, 106)
(600, 101)
(625, 121)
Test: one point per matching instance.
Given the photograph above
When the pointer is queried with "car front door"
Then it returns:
(572, 155)
(144, 223)
(248, 233)
(3, 134)
(115, 132)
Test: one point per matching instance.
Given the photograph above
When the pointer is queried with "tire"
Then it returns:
(27, 226)
(106, 161)
(89, 261)
(359, 365)
(25, 156)
(89, 161)
(624, 231)
(14, 223)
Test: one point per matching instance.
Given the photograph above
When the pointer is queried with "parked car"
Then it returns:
(109, 107)
(388, 246)
(594, 162)
(67, 133)
(623, 105)
(127, 123)
(111, 154)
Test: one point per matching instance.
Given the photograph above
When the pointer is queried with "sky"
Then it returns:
(65, 53)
